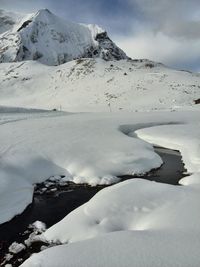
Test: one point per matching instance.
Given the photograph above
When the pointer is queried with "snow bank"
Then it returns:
(185, 138)
(193, 179)
(15, 193)
(137, 205)
(152, 225)
(125, 248)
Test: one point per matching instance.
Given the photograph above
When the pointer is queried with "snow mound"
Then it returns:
(137, 205)
(146, 224)
(51, 40)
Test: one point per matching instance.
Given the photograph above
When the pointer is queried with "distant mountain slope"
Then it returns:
(99, 76)
(97, 85)
(8, 20)
(53, 41)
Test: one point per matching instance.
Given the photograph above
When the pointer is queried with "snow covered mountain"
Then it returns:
(100, 78)
(51, 40)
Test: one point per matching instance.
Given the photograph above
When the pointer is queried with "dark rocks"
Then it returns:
(24, 25)
(197, 101)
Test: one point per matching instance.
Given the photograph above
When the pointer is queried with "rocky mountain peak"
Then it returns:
(51, 40)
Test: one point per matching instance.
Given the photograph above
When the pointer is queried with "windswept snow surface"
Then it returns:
(97, 85)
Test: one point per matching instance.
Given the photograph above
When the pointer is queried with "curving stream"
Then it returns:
(58, 201)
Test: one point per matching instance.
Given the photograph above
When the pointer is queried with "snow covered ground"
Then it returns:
(124, 248)
(134, 223)
(136, 205)
(137, 221)
(93, 85)
(87, 148)
(95, 148)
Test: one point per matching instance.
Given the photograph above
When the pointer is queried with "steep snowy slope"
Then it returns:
(97, 85)
(51, 40)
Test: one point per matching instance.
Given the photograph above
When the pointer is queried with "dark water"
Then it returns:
(48, 208)
(170, 172)
(51, 208)
(172, 169)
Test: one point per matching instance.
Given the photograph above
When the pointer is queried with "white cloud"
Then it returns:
(178, 18)
(162, 48)
(167, 31)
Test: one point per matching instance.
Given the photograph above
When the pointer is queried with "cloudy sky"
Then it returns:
(167, 31)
